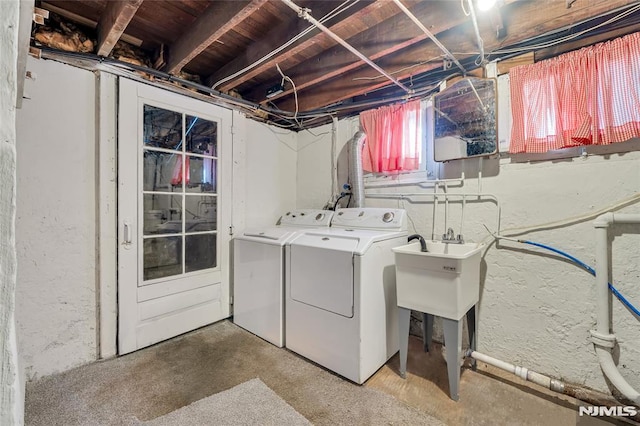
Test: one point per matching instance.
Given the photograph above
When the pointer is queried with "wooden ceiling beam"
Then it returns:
(218, 19)
(272, 40)
(527, 20)
(390, 36)
(345, 27)
(113, 22)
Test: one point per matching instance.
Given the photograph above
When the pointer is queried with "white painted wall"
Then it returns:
(535, 310)
(270, 171)
(56, 216)
(11, 387)
(314, 163)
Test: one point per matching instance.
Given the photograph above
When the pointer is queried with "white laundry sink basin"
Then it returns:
(443, 281)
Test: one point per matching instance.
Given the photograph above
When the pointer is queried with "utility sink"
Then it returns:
(443, 281)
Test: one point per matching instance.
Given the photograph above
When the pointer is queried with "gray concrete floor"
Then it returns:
(157, 380)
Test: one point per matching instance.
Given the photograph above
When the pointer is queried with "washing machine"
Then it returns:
(340, 291)
(258, 272)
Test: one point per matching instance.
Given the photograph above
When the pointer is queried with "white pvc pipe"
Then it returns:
(446, 210)
(603, 339)
(522, 372)
(395, 196)
(420, 182)
(435, 210)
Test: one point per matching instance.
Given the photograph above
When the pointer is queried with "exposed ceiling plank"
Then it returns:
(359, 12)
(274, 39)
(217, 19)
(527, 20)
(390, 36)
(86, 21)
(113, 22)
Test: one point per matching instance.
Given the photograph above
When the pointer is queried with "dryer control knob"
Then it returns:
(319, 216)
(387, 217)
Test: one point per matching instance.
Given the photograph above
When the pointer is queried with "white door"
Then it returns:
(174, 215)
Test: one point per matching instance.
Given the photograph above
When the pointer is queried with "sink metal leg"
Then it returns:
(404, 321)
(472, 327)
(427, 330)
(453, 342)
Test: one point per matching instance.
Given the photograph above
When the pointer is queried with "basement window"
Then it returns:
(426, 166)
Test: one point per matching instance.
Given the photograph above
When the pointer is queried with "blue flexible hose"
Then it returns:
(587, 268)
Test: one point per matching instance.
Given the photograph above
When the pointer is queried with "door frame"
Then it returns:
(110, 231)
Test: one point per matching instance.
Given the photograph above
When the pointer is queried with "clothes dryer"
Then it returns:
(340, 291)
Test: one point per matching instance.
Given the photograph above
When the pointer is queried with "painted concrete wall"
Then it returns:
(314, 163)
(56, 215)
(270, 173)
(11, 388)
(535, 310)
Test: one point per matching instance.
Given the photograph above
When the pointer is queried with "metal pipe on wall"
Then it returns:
(355, 168)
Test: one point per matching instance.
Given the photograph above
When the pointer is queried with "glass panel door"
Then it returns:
(179, 197)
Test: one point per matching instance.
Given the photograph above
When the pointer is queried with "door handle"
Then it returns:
(126, 234)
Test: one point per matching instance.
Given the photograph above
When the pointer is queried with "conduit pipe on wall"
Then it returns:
(436, 196)
(304, 14)
(420, 182)
(355, 168)
(603, 339)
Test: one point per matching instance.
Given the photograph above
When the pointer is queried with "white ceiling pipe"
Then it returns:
(429, 34)
(603, 339)
(304, 14)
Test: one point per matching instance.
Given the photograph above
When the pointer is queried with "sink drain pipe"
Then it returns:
(522, 372)
(587, 395)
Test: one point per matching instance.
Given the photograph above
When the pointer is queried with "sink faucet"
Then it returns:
(450, 237)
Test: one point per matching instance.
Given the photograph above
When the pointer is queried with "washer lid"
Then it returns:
(276, 235)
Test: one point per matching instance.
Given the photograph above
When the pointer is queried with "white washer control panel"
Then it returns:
(370, 218)
(306, 217)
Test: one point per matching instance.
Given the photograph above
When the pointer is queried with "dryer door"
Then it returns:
(321, 272)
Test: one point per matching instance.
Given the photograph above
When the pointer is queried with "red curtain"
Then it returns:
(394, 137)
(589, 96)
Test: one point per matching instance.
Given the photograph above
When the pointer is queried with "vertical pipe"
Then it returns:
(435, 210)
(480, 175)
(446, 209)
(464, 203)
(602, 273)
(355, 168)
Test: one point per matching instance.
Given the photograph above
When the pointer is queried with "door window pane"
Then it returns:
(200, 213)
(202, 175)
(200, 252)
(162, 214)
(162, 171)
(162, 257)
(162, 128)
(201, 136)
